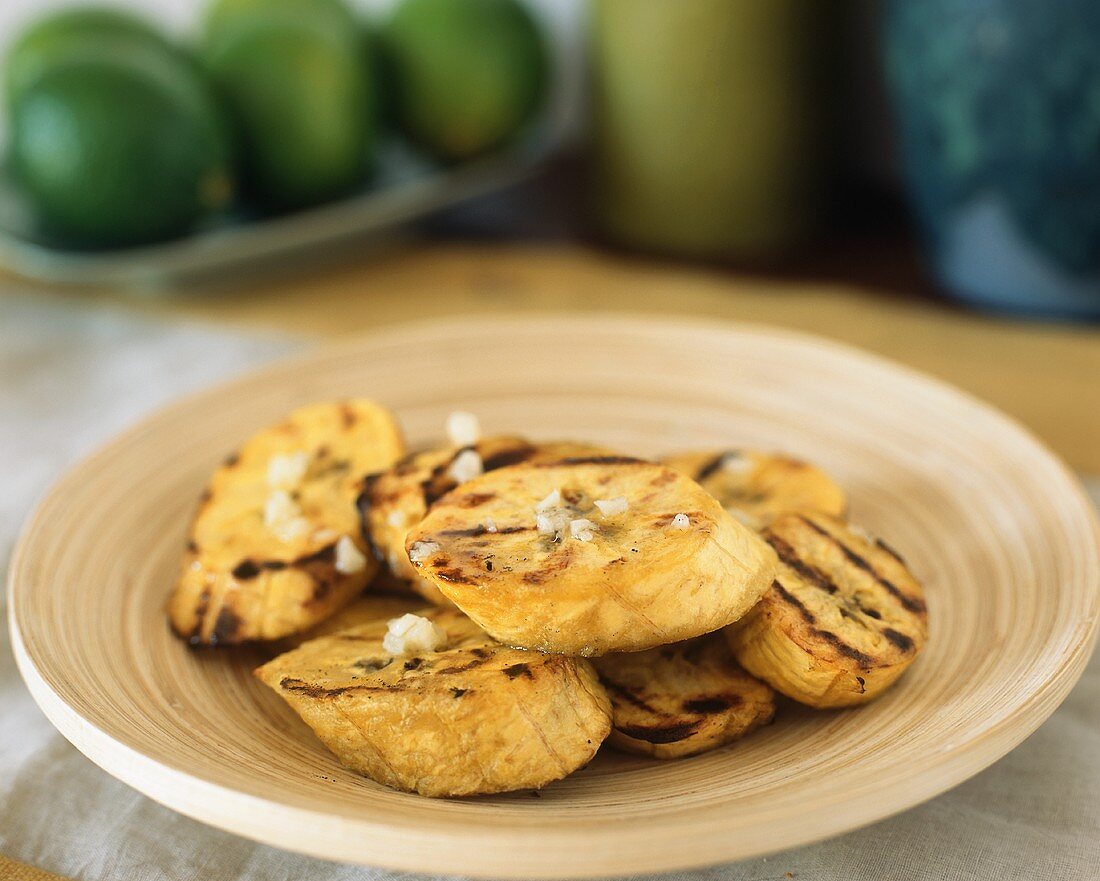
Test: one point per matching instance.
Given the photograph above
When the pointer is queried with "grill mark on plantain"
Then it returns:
(226, 626)
(789, 557)
(591, 460)
(452, 575)
(516, 670)
(661, 733)
(319, 691)
(827, 635)
(715, 704)
(503, 458)
(911, 604)
(711, 467)
(899, 640)
(628, 696)
(841, 646)
(462, 668)
(480, 530)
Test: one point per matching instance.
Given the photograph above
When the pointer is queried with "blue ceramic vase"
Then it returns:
(998, 109)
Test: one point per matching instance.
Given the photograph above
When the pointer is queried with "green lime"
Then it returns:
(119, 149)
(55, 37)
(299, 94)
(468, 74)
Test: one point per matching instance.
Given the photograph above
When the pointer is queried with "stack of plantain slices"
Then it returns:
(575, 595)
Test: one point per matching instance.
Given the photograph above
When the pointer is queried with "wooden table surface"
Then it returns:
(1045, 374)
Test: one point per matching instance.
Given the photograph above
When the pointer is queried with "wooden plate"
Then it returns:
(1002, 535)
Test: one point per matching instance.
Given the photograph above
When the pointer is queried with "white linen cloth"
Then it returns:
(71, 376)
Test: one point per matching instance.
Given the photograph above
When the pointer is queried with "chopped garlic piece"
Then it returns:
(466, 466)
(582, 530)
(283, 516)
(463, 429)
(552, 521)
(349, 559)
(421, 550)
(287, 471)
(551, 501)
(736, 462)
(489, 524)
(396, 519)
(680, 521)
(410, 634)
(279, 508)
(288, 530)
(612, 507)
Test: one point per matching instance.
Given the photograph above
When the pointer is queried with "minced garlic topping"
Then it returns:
(349, 559)
(583, 530)
(680, 521)
(283, 516)
(286, 471)
(466, 466)
(736, 462)
(412, 633)
(421, 550)
(612, 507)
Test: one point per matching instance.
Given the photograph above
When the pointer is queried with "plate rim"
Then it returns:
(153, 777)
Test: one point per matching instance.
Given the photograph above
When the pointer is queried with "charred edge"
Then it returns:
(791, 600)
(910, 604)
(660, 733)
(504, 458)
(789, 556)
(899, 640)
(627, 695)
(226, 626)
(843, 648)
(462, 668)
(453, 575)
(710, 468)
(480, 653)
(862, 684)
(715, 704)
(232, 460)
(363, 503)
(413, 663)
(488, 565)
(458, 692)
(516, 670)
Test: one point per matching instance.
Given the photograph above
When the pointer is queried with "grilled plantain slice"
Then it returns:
(682, 699)
(585, 555)
(467, 717)
(275, 545)
(395, 500)
(757, 487)
(842, 621)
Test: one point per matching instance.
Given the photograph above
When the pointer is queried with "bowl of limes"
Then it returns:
(280, 126)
